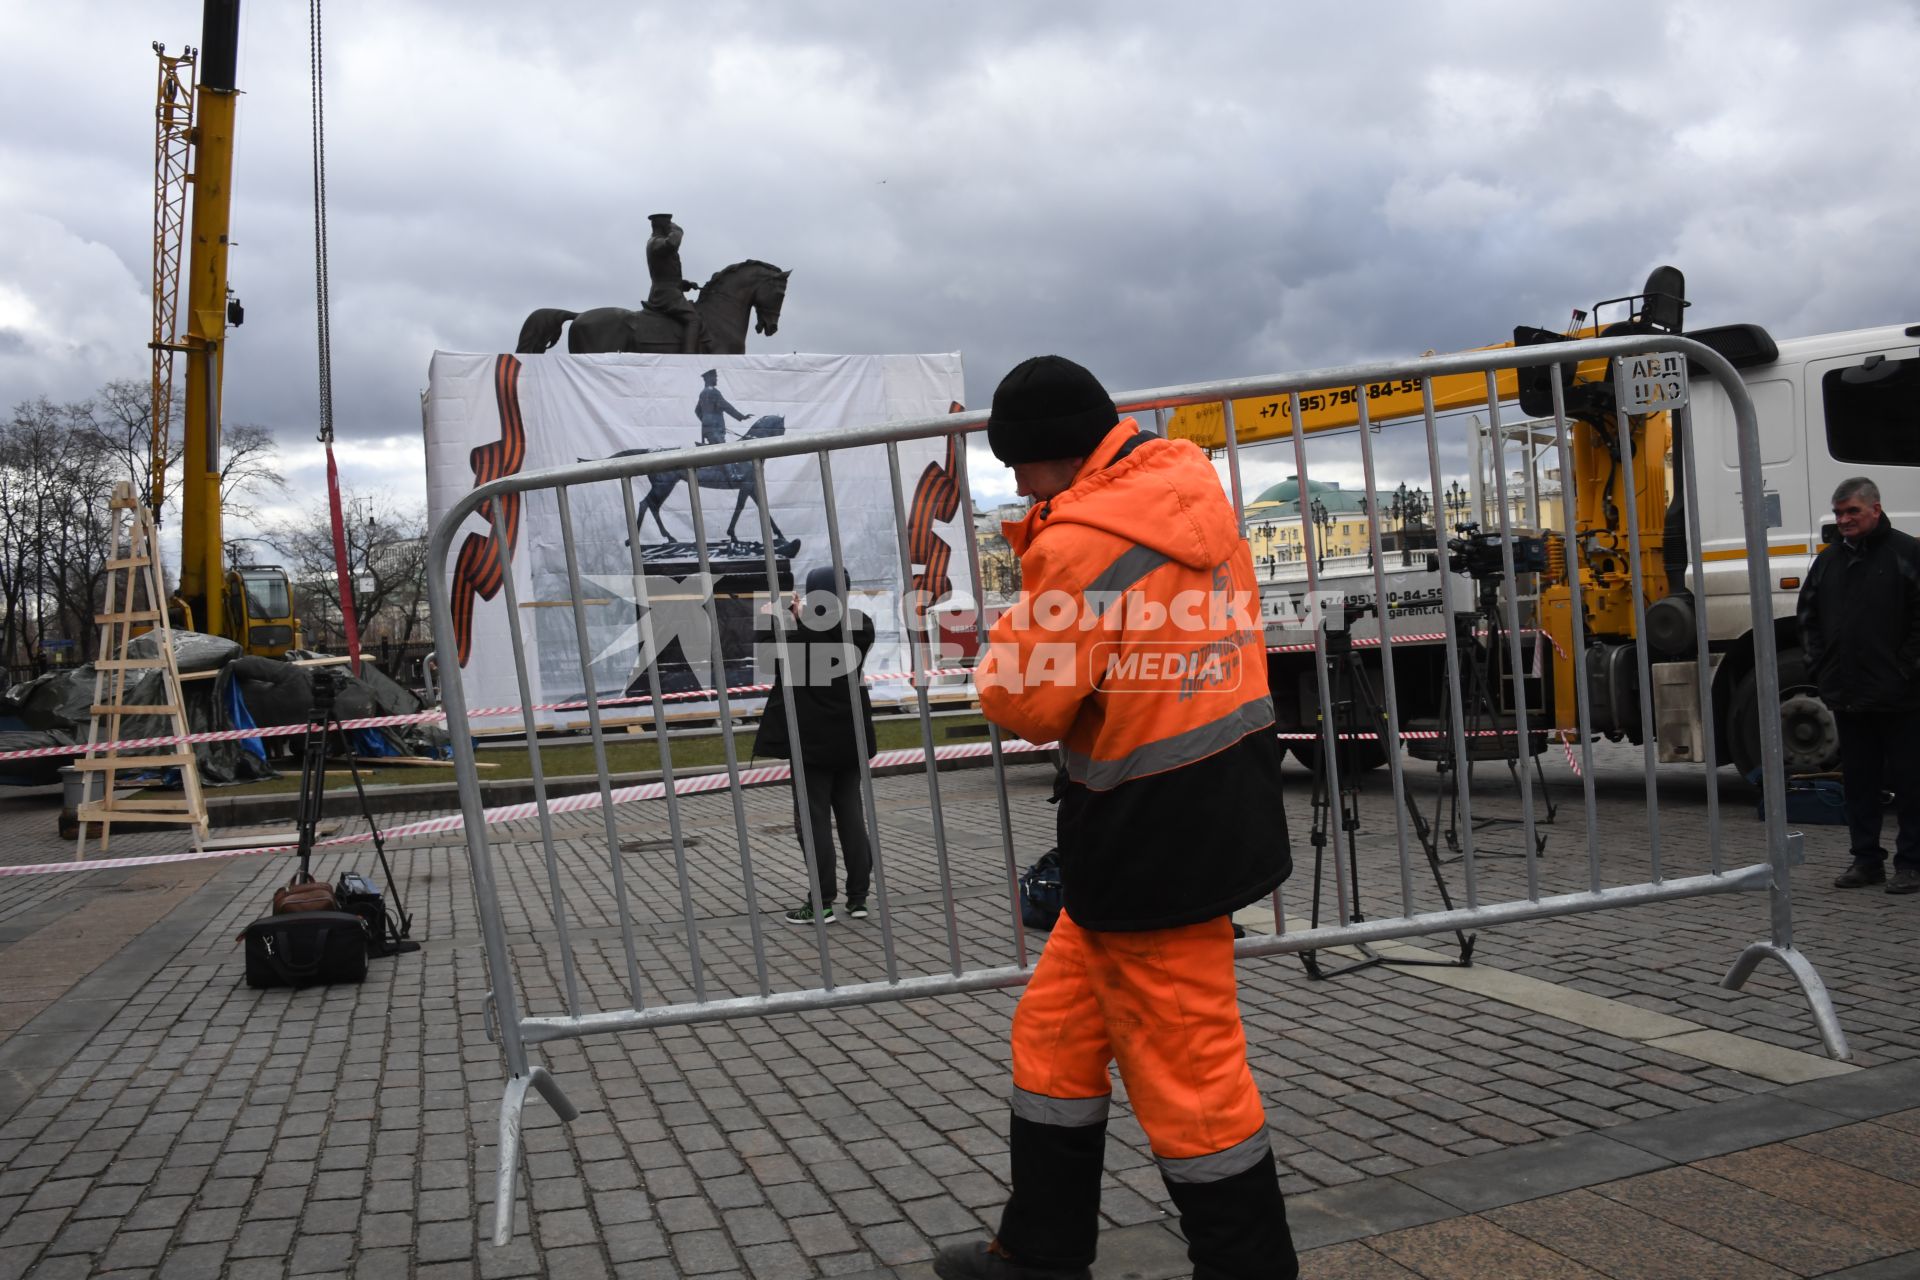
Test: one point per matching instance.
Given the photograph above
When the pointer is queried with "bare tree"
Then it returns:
(247, 469)
(58, 466)
(55, 478)
(387, 566)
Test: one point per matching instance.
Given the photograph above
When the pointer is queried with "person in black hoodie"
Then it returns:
(824, 658)
(1859, 617)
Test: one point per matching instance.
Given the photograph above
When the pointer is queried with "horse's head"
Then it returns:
(772, 424)
(769, 293)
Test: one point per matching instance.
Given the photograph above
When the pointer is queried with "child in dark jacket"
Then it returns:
(827, 644)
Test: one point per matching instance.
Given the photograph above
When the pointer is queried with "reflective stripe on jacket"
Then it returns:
(1137, 645)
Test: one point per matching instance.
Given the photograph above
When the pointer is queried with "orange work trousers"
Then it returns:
(1162, 1005)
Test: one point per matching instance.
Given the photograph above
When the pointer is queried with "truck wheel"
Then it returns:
(1809, 735)
(1368, 755)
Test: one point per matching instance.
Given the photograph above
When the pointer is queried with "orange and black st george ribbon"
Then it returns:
(936, 499)
(484, 559)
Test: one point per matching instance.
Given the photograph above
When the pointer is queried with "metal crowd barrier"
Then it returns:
(602, 985)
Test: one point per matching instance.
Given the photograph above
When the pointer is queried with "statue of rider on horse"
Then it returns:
(668, 322)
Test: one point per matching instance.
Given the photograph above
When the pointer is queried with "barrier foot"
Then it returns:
(1809, 979)
(512, 1103)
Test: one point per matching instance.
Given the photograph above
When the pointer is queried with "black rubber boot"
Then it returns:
(1236, 1228)
(1052, 1220)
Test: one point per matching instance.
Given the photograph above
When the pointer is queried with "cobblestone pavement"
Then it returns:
(158, 1117)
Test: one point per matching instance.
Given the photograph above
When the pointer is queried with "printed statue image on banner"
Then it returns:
(490, 416)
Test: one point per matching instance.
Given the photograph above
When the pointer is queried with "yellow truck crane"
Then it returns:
(194, 124)
(1824, 405)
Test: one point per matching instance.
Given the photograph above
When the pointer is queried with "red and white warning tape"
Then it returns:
(759, 775)
(418, 717)
(489, 713)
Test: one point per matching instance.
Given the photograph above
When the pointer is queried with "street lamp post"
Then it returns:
(1457, 499)
(1323, 522)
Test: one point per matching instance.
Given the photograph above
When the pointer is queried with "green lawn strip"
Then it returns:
(625, 754)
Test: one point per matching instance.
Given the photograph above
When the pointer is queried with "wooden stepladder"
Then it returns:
(133, 571)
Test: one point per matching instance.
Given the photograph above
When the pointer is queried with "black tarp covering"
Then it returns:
(52, 710)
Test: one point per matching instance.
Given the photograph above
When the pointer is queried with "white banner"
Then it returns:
(494, 415)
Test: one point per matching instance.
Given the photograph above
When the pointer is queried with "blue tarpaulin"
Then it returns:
(242, 719)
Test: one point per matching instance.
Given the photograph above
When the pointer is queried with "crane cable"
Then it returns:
(323, 309)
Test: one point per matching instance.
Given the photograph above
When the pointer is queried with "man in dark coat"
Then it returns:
(826, 645)
(1860, 629)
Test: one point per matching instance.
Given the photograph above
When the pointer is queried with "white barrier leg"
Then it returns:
(512, 1103)
(1808, 977)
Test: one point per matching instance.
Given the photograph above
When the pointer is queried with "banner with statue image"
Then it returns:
(489, 416)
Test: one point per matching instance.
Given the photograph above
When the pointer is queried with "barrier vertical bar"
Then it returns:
(1329, 739)
(1523, 744)
(1383, 611)
(717, 658)
(1577, 609)
(963, 479)
(1703, 666)
(1233, 465)
(614, 858)
(857, 690)
(1641, 655)
(783, 659)
(663, 746)
(913, 620)
(511, 600)
(486, 892)
(1457, 717)
(1773, 781)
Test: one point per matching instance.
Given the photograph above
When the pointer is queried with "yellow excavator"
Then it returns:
(252, 604)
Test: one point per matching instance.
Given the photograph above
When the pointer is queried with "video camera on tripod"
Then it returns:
(1477, 554)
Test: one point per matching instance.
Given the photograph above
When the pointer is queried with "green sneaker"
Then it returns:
(803, 914)
(857, 908)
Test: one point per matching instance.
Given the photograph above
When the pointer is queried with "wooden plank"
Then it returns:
(199, 675)
(320, 662)
(89, 813)
(415, 762)
(278, 835)
(134, 709)
(129, 764)
(165, 804)
(129, 664)
(129, 615)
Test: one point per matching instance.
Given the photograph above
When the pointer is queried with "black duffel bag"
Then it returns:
(306, 947)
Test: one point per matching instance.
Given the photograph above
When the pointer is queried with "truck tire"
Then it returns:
(1809, 734)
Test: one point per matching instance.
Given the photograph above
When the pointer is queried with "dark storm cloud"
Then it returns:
(1167, 194)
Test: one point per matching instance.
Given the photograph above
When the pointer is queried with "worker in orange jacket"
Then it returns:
(1137, 645)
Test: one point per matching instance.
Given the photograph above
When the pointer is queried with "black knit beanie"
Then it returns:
(1048, 408)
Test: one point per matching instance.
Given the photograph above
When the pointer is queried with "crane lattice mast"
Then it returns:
(172, 139)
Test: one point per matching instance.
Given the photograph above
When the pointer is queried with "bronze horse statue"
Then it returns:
(724, 304)
(729, 475)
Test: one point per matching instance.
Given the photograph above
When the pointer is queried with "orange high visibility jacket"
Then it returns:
(1137, 644)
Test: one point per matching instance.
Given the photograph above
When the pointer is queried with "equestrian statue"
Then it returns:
(668, 322)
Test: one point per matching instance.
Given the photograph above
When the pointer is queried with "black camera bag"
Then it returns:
(305, 948)
(1041, 894)
(358, 896)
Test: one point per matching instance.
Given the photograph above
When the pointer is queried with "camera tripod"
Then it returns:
(1355, 710)
(323, 720)
(1481, 719)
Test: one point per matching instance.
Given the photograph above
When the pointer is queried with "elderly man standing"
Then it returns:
(1137, 645)
(1860, 629)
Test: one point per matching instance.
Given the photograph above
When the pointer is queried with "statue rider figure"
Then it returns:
(712, 409)
(668, 293)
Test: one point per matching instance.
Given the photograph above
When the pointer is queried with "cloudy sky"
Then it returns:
(1168, 193)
